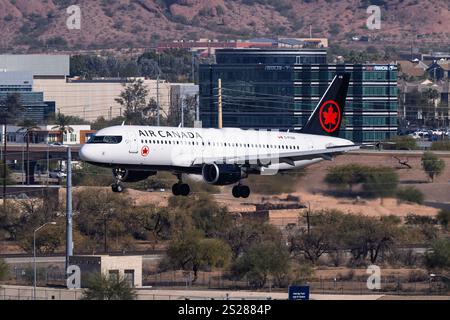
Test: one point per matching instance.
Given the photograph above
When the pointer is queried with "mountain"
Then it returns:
(41, 25)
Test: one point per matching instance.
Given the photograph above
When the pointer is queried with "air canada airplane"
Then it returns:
(221, 156)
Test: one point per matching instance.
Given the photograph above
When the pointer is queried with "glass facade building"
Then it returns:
(21, 83)
(278, 89)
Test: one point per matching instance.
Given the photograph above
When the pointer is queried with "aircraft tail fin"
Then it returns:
(327, 117)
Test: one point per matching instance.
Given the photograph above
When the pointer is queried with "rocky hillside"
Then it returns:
(41, 25)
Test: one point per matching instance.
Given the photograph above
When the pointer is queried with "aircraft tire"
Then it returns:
(244, 191)
(176, 189)
(184, 189)
(236, 192)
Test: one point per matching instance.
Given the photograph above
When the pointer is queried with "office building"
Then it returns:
(21, 83)
(278, 89)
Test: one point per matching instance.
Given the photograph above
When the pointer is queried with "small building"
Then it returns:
(414, 69)
(50, 134)
(439, 70)
(126, 267)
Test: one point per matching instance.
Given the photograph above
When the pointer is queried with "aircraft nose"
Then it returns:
(84, 153)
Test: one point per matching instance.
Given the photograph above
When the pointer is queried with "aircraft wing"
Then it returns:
(286, 157)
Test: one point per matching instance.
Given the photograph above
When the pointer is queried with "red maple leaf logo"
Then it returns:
(330, 116)
(145, 150)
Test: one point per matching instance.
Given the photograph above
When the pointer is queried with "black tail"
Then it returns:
(326, 119)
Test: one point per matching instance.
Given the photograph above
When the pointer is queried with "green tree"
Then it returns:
(410, 194)
(134, 100)
(194, 252)
(346, 175)
(48, 240)
(251, 232)
(366, 237)
(62, 123)
(262, 261)
(10, 110)
(440, 145)
(438, 257)
(102, 287)
(401, 143)
(381, 182)
(101, 122)
(312, 245)
(432, 165)
(4, 270)
(206, 214)
(444, 218)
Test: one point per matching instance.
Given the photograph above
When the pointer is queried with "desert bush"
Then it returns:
(440, 145)
(410, 194)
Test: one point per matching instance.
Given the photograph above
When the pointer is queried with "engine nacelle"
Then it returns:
(126, 175)
(222, 174)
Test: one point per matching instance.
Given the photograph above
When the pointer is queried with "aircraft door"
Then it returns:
(133, 143)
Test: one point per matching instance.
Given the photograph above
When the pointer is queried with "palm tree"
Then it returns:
(102, 287)
(10, 108)
(63, 123)
(28, 126)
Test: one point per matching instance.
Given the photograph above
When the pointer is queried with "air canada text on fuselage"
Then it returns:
(169, 134)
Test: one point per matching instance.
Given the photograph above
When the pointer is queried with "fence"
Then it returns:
(223, 281)
(27, 293)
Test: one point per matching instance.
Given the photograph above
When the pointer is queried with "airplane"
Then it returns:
(221, 156)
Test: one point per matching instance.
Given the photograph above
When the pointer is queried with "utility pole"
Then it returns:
(4, 166)
(105, 231)
(307, 216)
(219, 122)
(157, 100)
(182, 112)
(193, 67)
(69, 241)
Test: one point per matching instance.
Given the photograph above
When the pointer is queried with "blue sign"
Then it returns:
(299, 293)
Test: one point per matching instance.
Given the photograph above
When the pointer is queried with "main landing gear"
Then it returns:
(241, 191)
(180, 188)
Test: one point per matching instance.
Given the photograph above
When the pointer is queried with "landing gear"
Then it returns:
(117, 187)
(241, 191)
(180, 188)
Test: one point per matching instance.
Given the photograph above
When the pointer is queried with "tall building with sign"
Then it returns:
(278, 89)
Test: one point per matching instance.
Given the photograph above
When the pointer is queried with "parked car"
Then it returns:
(57, 174)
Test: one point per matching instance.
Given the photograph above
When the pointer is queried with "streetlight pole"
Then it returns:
(34, 255)
(69, 241)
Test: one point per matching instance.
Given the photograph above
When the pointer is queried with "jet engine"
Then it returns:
(222, 174)
(125, 175)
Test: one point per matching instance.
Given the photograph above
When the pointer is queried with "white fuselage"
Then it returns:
(172, 148)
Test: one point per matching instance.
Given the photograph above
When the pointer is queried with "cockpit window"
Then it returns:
(105, 139)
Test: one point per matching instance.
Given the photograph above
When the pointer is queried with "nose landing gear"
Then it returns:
(241, 191)
(119, 175)
(117, 187)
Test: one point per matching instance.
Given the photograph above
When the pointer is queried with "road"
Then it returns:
(61, 259)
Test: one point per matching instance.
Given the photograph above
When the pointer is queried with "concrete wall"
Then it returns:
(123, 263)
(92, 99)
